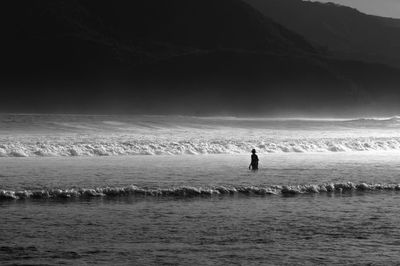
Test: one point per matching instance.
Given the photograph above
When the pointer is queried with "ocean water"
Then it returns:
(151, 190)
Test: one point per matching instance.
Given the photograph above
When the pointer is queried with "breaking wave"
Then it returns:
(195, 147)
(187, 191)
(76, 135)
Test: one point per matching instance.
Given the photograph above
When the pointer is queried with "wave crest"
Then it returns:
(195, 147)
(187, 191)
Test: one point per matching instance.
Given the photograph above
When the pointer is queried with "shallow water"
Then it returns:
(320, 230)
(199, 171)
(338, 227)
(79, 190)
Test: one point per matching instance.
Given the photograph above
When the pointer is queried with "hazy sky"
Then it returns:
(387, 8)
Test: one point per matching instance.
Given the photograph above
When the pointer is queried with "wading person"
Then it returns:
(254, 161)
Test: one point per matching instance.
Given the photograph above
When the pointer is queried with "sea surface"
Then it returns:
(176, 190)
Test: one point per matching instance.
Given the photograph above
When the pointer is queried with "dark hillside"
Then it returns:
(169, 56)
(344, 31)
(88, 36)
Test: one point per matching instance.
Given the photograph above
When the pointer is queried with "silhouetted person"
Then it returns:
(254, 161)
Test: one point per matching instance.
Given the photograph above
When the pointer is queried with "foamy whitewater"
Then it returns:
(78, 190)
(71, 135)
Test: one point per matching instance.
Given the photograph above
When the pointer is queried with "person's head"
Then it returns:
(253, 151)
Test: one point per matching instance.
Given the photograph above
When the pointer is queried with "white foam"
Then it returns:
(193, 147)
(63, 135)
